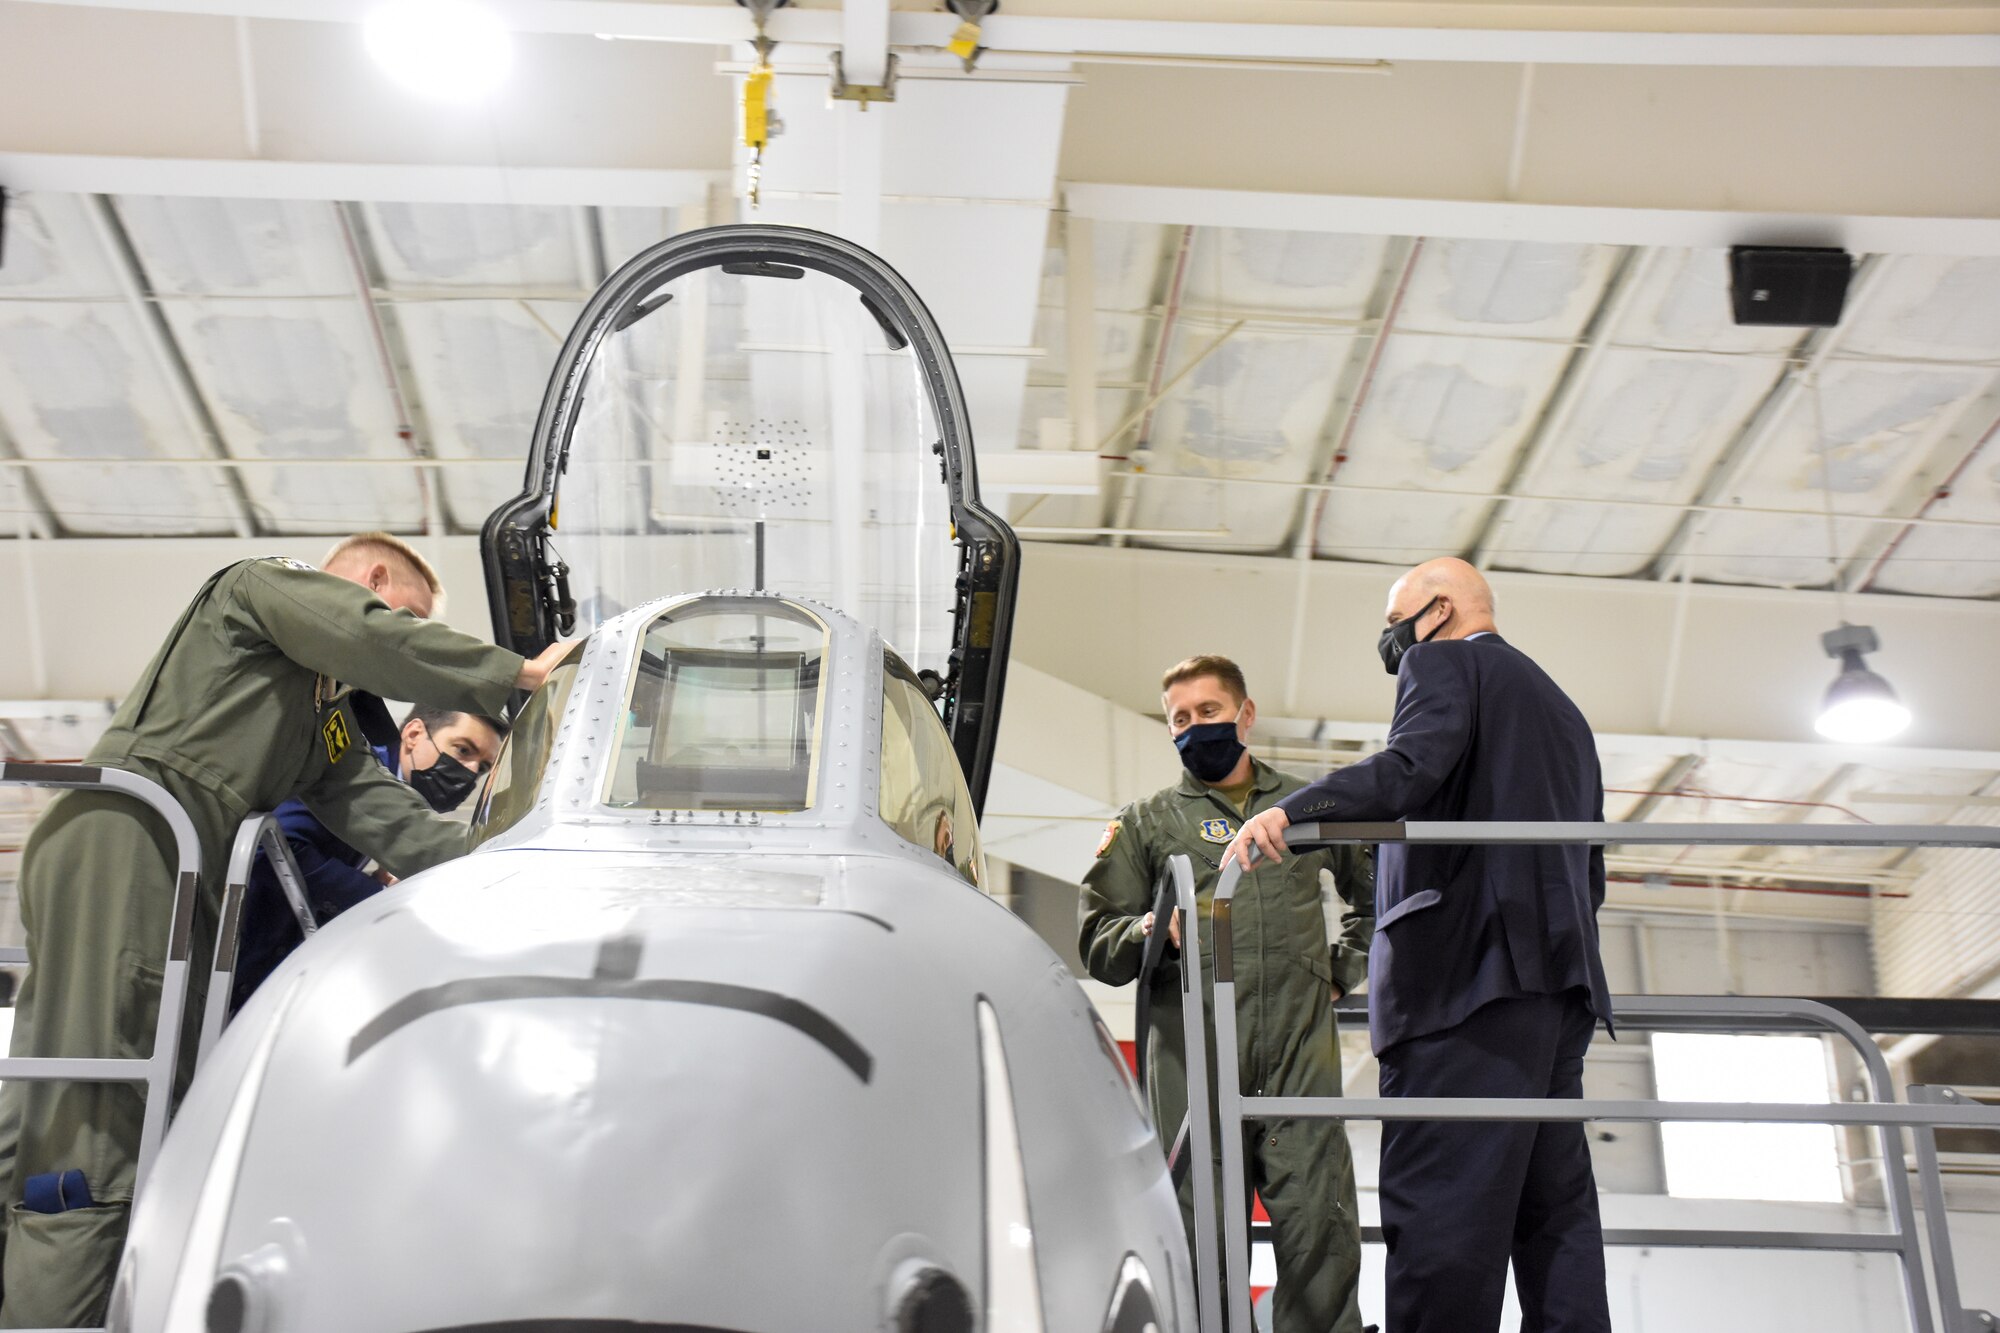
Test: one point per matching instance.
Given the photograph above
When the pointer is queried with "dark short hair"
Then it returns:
(435, 718)
(1207, 664)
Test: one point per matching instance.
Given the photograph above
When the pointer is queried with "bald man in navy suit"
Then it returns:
(1484, 976)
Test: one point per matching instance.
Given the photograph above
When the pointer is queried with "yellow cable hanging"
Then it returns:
(759, 121)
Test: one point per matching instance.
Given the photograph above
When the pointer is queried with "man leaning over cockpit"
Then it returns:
(246, 705)
(1287, 977)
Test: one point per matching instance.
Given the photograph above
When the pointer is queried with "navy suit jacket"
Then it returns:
(1480, 733)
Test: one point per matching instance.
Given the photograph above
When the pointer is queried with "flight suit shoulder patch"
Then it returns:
(333, 730)
(290, 563)
(1216, 831)
(1110, 836)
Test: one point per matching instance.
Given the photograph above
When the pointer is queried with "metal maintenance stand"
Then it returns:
(1928, 1110)
(156, 1072)
(258, 831)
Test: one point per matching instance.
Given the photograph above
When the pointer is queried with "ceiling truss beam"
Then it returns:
(1193, 39)
(1934, 483)
(391, 357)
(39, 519)
(1529, 463)
(1505, 220)
(168, 359)
(1357, 378)
(1665, 787)
(1124, 498)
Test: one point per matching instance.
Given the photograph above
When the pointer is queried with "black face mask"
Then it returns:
(1209, 750)
(446, 783)
(1400, 637)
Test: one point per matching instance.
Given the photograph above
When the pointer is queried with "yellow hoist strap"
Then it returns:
(965, 41)
(757, 107)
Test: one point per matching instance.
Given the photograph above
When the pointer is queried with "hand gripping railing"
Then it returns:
(1645, 1012)
(156, 1072)
(258, 831)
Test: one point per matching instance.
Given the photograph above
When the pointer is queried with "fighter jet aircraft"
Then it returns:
(716, 1028)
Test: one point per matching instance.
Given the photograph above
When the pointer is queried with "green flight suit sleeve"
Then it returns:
(1117, 894)
(372, 812)
(1354, 881)
(341, 630)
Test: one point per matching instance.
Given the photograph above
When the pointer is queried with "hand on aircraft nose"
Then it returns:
(536, 669)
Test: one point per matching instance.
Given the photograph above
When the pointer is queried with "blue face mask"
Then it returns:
(1209, 750)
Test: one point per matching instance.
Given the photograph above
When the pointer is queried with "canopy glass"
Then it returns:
(764, 409)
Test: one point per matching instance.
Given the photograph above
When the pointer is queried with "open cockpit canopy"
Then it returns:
(764, 408)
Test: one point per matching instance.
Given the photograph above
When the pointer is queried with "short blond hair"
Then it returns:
(385, 546)
(1207, 664)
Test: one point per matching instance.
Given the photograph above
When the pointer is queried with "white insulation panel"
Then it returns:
(1260, 406)
(538, 248)
(1517, 289)
(301, 379)
(241, 247)
(53, 250)
(1954, 561)
(79, 383)
(1943, 938)
(481, 368)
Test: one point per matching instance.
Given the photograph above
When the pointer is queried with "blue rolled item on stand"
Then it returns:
(57, 1192)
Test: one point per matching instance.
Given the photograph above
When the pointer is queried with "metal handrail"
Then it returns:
(1208, 1296)
(258, 831)
(1944, 1265)
(1695, 1012)
(1661, 834)
(157, 1070)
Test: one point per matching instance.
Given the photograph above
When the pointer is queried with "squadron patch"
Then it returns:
(1110, 836)
(334, 732)
(1216, 830)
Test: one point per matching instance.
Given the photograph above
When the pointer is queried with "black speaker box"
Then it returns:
(1786, 285)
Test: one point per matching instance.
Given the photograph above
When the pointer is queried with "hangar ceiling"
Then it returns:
(1558, 408)
(189, 366)
(287, 367)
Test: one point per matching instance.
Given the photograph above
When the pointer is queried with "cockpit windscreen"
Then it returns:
(756, 426)
(724, 711)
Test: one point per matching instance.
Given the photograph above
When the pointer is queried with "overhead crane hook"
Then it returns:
(965, 43)
(760, 122)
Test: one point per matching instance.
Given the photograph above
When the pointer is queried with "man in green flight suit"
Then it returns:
(1287, 977)
(244, 706)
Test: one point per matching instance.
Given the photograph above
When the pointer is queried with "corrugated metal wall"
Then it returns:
(1944, 938)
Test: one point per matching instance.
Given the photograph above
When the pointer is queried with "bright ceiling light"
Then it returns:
(440, 50)
(1860, 708)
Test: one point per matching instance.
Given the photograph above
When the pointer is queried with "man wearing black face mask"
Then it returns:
(1287, 976)
(440, 753)
(1485, 978)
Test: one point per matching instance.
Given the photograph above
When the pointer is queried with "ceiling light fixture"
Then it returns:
(440, 50)
(1860, 708)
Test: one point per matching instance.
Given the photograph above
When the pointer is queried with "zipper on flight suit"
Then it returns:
(1263, 1018)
